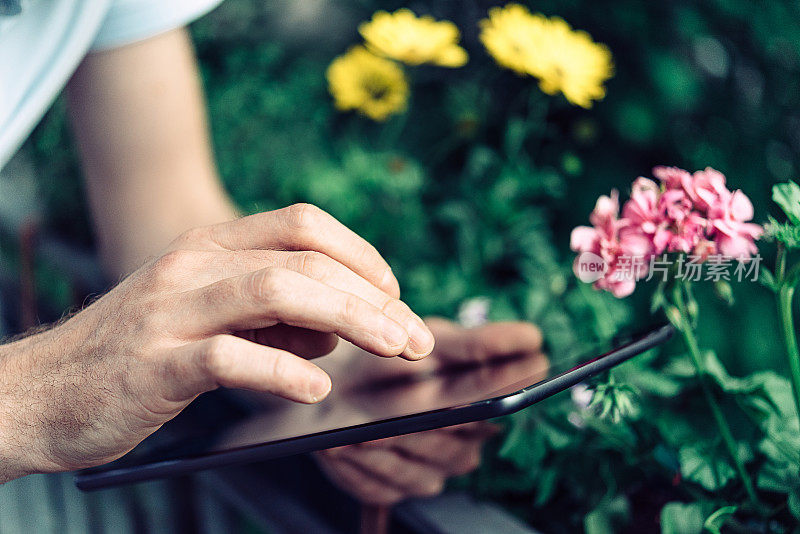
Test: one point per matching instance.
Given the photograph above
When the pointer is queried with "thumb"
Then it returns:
(233, 362)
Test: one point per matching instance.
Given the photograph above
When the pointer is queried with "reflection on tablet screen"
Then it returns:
(225, 420)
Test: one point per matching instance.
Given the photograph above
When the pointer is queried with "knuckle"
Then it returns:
(353, 309)
(280, 371)
(472, 462)
(312, 264)
(303, 216)
(392, 464)
(193, 236)
(265, 284)
(369, 256)
(476, 349)
(397, 309)
(536, 335)
(468, 464)
(214, 357)
(430, 487)
(167, 267)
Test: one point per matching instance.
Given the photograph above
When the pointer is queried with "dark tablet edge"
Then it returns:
(487, 409)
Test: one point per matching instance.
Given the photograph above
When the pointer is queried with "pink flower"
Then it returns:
(734, 236)
(689, 213)
(628, 265)
(681, 228)
(600, 238)
(672, 177)
(706, 188)
(666, 217)
(623, 249)
(714, 213)
(642, 208)
(703, 188)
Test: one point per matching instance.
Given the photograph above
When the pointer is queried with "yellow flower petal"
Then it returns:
(413, 40)
(562, 59)
(453, 56)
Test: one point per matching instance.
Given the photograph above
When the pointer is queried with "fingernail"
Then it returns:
(420, 339)
(319, 384)
(394, 334)
(389, 283)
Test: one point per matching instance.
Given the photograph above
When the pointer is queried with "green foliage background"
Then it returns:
(474, 191)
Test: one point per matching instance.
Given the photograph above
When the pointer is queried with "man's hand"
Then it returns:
(239, 304)
(389, 470)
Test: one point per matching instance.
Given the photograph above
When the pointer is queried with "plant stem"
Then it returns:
(785, 297)
(785, 294)
(722, 424)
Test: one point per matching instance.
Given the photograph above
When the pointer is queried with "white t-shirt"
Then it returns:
(42, 46)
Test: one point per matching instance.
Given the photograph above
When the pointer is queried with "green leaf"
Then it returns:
(703, 466)
(608, 516)
(680, 518)
(794, 503)
(787, 196)
(546, 485)
(680, 367)
(556, 438)
(655, 383)
(715, 521)
(780, 473)
(728, 383)
(524, 448)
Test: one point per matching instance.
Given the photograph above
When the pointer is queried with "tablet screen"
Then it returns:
(366, 389)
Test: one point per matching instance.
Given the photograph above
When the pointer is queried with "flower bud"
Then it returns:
(724, 291)
(674, 316)
(692, 309)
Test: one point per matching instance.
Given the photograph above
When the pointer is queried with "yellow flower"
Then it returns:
(413, 40)
(374, 86)
(513, 36)
(564, 60)
(573, 64)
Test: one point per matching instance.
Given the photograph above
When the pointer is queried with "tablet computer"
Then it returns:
(224, 428)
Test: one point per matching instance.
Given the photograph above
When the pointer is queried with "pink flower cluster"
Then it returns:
(687, 213)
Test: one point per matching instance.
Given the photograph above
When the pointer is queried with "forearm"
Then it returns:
(11, 465)
(16, 400)
(139, 118)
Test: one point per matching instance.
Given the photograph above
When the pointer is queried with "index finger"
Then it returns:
(307, 227)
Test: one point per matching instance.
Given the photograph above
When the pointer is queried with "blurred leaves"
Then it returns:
(787, 196)
(680, 518)
(706, 466)
(608, 517)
